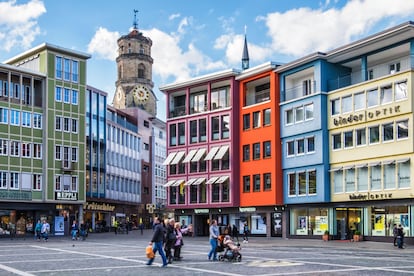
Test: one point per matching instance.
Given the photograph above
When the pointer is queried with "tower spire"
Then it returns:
(135, 23)
(245, 56)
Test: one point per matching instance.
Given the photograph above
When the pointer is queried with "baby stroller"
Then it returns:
(231, 251)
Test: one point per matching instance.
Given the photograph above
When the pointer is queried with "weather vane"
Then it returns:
(135, 19)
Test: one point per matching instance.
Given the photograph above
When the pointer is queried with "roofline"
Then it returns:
(22, 70)
(48, 46)
(267, 66)
(301, 61)
(92, 88)
(201, 79)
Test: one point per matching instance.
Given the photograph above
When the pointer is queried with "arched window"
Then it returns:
(141, 71)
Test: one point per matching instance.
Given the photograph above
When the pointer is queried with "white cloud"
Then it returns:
(104, 44)
(18, 23)
(174, 16)
(302, 31)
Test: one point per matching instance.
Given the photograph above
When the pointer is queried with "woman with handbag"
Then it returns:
(179, 240)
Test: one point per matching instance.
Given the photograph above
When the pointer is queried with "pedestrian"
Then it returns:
(170, 238)
(116, 226)
(38, 229)
(75, 229)
(400, 237)
(83, 230)
(235, 232)
(214, 233)
(179, 240)
(395, 233)
(246, 233)
(156, 242)
(141, 227)
(45, 230)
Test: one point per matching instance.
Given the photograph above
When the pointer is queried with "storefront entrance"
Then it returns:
(348, 220)
(201, 225)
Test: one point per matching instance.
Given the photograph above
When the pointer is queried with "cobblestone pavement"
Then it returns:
(122, 254)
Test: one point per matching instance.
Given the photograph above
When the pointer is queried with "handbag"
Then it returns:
(149, 252)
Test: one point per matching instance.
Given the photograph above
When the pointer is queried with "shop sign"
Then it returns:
(15, 195)
(342, 121)
(247, 209)
(370, 196)
(72, 196)
(201, 211)
(98, 206)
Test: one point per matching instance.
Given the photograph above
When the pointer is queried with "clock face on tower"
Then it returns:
(140, 94)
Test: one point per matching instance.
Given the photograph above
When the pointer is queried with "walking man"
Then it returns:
(156, 242)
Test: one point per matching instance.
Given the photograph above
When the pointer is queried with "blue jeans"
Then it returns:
(213, 253)
(157, 246)
(74, 234)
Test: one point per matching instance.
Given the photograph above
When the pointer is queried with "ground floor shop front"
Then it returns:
(374, 220)
(261, 221)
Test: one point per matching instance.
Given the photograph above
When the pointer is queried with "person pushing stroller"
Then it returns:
(231, 250)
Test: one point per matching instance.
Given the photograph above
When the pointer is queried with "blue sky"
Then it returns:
(193, 38)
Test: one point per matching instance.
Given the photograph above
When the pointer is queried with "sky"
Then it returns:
(193, 38)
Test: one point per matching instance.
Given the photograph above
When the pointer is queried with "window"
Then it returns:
(14, 180)
(338, 181)
(262, 93)
(292, 183)
(388, 132)
(289, 117)
(37, 121)
(15, 117)
(290, 148)
(348, 139)
(14, 148)
(346, 104)
(336, 141)
(198, 102)
(335, 107)
(58, 94)
(370, 74)
(372, 98)
(302, 183)
(256, 119)
(404, 173)
(402, 129)
(66, 69)
(307, 87)
(361, 137)
(308, 112)
(173, 135)
(74, 125)
(256, 151)
(74, 186)
(246, 152)
(3, 180)
(220, 98)
(350, 180)
(389, 176)
(311, 144)
(359, 101)
(246, 183)
(301, 146)
(246, 121)
(58, 183)
(267, 181)
(202, 132)
(256, 184)
(394, 68)
(401, 90)
(266, 117)
(74, 154)
(58, 67)
(312, 182)
(362, 178)
(37, 151)
(386, 94)
(75, 71)
(376, 177)
(299, 114)
(75, 97)
(215, 128)
(193, 132)
(26, 149)
(16, 90)
(26, 119)
(58, 152)
(266, 149)
(4, 115)
(66, 124)
(66, 95)
(373, 134)
(225, 131)
(37, 182)
(58, 123)
(3, 147)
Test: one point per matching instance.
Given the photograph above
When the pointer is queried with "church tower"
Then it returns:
(134, 66)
